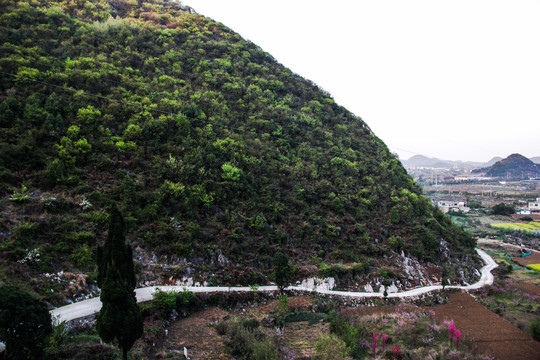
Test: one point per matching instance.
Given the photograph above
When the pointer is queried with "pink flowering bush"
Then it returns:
(457, 336)
(384, 337)
(408, 333)
(454, 333)
(451, 331)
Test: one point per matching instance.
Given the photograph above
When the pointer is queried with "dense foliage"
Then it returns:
(503, 209)
(212, 149)
(25, 324)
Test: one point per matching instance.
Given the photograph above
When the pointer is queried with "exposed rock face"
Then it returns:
(414, 274)
(392, 288)
(318, 283)
(368, 288)
(415, 271)
(222, 260)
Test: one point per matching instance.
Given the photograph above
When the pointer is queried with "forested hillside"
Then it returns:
(217, 155)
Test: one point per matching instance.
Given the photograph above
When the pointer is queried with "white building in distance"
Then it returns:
(458, 206)
(534, 206)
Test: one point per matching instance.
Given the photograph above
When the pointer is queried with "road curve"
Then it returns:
(91, 306)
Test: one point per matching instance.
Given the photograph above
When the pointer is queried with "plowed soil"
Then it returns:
(530, 288)
(492, 335)
(197, 334)
(534, 258)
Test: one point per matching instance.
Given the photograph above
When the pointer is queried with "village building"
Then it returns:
(458, 206)
(534, 206)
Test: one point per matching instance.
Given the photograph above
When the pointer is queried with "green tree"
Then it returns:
(394, 215)
(503, 209)
(120, 318)
(444, 276)
(25, 324)
(282, 270)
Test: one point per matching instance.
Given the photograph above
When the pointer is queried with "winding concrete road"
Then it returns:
(91, 306)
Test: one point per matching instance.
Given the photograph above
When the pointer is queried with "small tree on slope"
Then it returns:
(120, 318)
(282, 270)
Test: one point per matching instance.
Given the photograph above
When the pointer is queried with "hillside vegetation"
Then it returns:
(217, 155)
(515, 166)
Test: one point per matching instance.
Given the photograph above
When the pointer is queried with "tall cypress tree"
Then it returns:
(115, 252)
(120, 318)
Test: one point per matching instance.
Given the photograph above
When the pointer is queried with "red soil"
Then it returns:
(530, 288)
(534, 258)
(198, 336)
(490, 333)
(493, 335)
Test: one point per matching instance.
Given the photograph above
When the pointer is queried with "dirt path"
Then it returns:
(492, 335)
(198, 335)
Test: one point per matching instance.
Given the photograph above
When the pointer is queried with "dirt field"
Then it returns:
(197, 335)
(492, 335)
(530, 288)
(534, 258)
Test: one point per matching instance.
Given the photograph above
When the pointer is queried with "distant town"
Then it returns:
(459, 187)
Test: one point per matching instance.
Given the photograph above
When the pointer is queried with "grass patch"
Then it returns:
(534, 266)
(311, 318)
(530, 227)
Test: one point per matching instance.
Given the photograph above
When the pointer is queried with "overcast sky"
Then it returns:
(457, 80)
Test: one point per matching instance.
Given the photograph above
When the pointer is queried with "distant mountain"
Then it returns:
(475, 166)
(493, 161)
(424, 161)
(515, 166)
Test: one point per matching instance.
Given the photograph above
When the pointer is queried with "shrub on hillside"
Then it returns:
(166, 301)
(535, 329)
(247, 340)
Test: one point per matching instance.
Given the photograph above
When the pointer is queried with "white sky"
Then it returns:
(453, 79)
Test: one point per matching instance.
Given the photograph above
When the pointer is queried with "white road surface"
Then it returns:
(91, 306)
